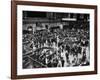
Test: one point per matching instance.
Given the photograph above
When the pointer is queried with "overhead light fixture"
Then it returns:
(69, 19)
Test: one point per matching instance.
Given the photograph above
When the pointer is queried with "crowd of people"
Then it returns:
(56, 47)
